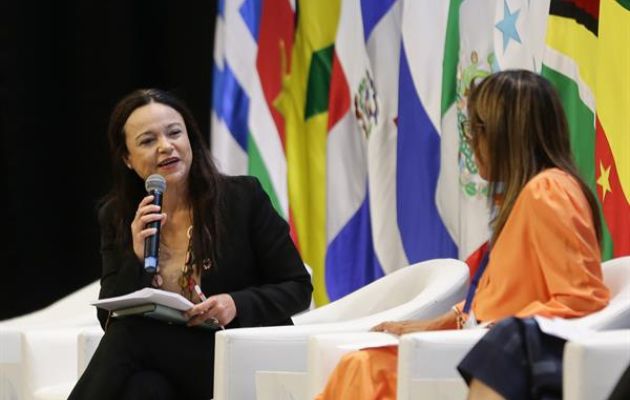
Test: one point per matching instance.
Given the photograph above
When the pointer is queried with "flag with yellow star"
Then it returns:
(612, 138)
(589, 88)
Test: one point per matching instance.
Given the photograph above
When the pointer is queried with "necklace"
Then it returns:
(187, 280)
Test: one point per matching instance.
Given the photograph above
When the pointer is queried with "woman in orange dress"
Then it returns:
(544, 254)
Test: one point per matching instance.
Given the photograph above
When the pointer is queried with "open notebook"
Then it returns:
(152, 303)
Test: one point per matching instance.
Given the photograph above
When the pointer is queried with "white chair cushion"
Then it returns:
(593, 365)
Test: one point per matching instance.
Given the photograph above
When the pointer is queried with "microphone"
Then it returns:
(155, 185)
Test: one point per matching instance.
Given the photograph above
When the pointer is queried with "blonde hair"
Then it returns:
(519, 117)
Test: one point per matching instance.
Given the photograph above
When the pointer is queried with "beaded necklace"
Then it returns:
(187, 281)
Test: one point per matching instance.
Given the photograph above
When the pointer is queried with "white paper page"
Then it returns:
(145, 296)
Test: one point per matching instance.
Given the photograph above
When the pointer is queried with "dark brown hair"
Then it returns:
(519, 117)
(204, 181)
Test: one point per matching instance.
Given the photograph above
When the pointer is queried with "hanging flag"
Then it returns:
(461, 193)
(303, 102)
(382, 33)
(266, 153)
(568, 63)
(357, 111)
(230, 101)
(588, 86)
(493, 36)
(422, 230)
(251, 41)
(612, 138)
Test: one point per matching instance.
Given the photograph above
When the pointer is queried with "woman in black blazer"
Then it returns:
(217, 232)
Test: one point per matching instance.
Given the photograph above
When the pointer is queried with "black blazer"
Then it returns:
(257, 264)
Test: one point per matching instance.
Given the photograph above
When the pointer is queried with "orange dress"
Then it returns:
(546, 261)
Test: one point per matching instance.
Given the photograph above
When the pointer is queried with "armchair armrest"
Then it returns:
(325, 351)
(427, 363)
(593, 364)
(239, 353)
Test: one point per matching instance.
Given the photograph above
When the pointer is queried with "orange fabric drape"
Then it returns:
(369, 374)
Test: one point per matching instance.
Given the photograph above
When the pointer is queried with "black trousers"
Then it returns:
(141, 358)
(622, 388)
(517, 360)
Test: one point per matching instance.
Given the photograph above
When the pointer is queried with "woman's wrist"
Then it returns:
(460, 317)
(446, 321)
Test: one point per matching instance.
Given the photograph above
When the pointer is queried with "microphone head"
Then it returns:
(155, 182)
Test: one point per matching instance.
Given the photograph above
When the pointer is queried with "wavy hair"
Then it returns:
(204, 181)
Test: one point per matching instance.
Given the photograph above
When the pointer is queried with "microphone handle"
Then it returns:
(152, 243)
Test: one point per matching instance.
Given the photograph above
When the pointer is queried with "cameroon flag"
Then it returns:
(303, 102)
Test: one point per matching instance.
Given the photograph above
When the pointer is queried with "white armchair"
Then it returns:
(594, 364)
(429, 359)
(421, 290)
(38, 351)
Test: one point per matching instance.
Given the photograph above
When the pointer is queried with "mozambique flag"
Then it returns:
(574, 37)
(303, 102)
(612, 137)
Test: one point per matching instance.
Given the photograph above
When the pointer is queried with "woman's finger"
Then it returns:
(220, 309)
(147, 210)
(146, 200)
(145, 219)
(198, 309)
(198, 315)
(145, 233)
(380, 327)
(389, 327)
(198, 320)
(164, 218)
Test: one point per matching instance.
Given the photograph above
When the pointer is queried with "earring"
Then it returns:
(129, 166)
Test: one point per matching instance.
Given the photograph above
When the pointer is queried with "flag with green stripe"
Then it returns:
(253, 42)
(303, 103)
(568, 63)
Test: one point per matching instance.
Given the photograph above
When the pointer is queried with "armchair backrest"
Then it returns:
(71, 310)
(616, 315)
(409, 285)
